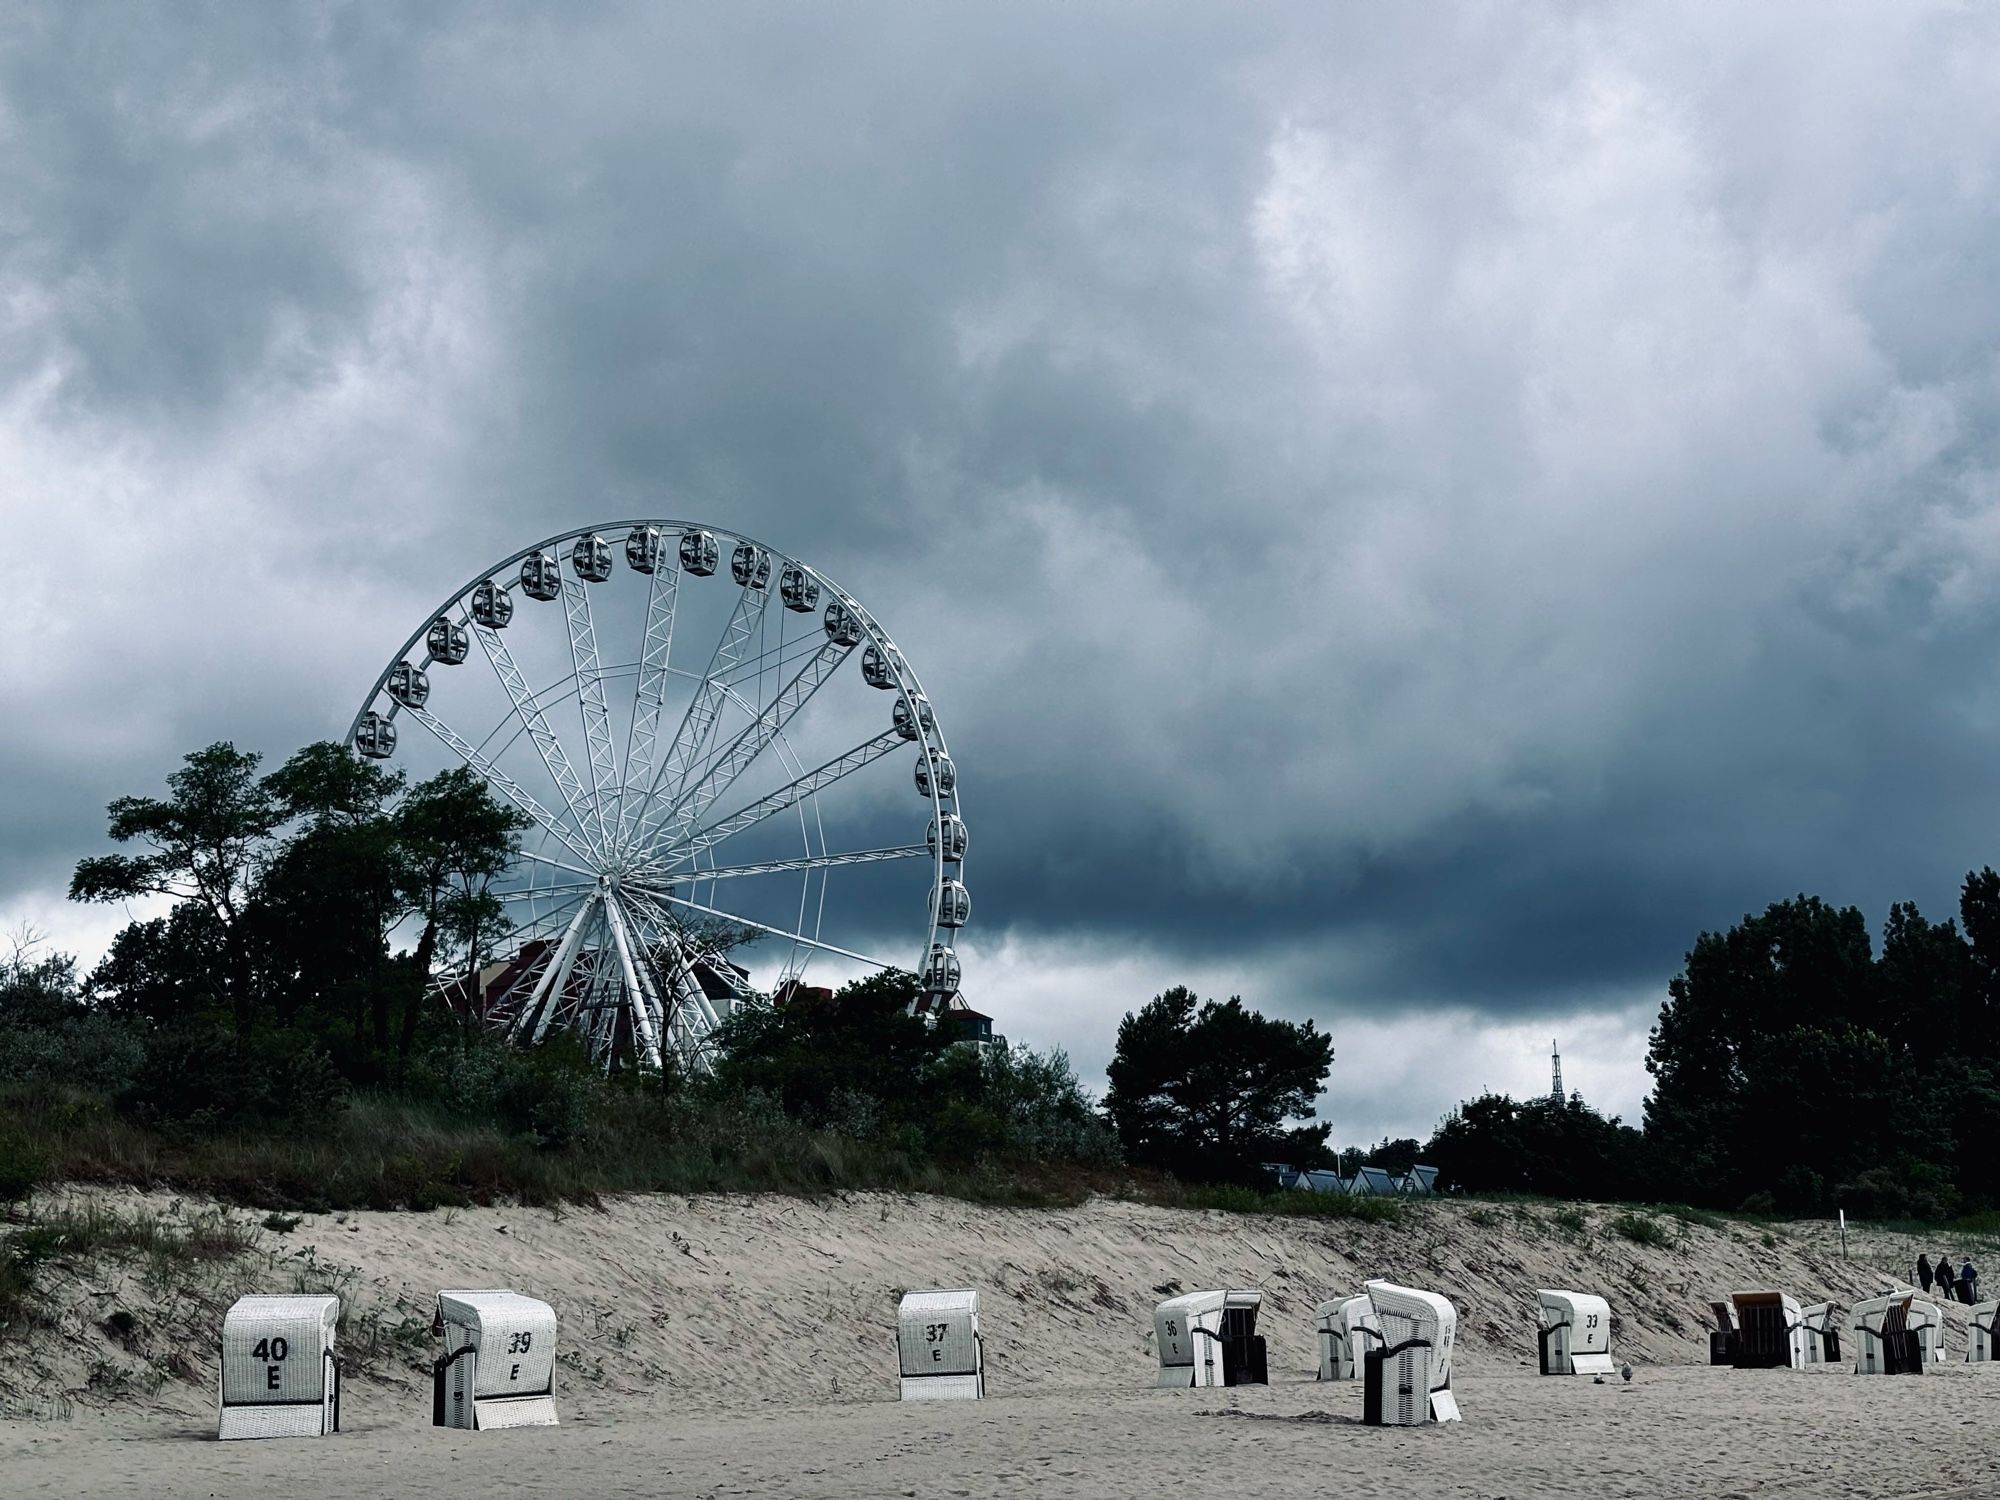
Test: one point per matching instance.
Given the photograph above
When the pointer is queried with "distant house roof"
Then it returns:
(792, 990)
(1373, 1180)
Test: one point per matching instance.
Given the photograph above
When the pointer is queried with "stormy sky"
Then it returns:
(1407, 513)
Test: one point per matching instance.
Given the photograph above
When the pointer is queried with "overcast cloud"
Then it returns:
(1407, 513)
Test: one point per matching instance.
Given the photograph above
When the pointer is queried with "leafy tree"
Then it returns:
(1204, 1088)
(48, 1035)
(289, 890)
(1560, 1148)
(1014, 1101)
(1742, 995)
(208, 843)
(1928, 983)
(454, 839)
(1979, 1014)
(857, 1053)
(1395, 1157)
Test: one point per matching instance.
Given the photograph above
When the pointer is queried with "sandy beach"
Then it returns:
(743, 1346)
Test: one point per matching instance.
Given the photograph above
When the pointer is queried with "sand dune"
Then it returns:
(743, 1346)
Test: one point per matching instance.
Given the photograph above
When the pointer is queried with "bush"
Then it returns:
(23, 1167)
(202, 1077)
(1904, 1189)
(1570, 1220)
(1642, 1229)
(98, 1053)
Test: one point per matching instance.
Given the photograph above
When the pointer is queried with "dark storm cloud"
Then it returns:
(1418, 508)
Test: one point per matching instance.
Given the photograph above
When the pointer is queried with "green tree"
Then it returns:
(1741, 996)
(1979, 1016)
(454, 840)
(289, 890)
(856, 1059)
(208, 841)
(1395, 1157)
(1204, 1089)
(1560, 1148)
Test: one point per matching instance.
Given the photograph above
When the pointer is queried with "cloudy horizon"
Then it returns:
(1406, 515)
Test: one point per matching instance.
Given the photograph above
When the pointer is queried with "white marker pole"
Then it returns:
(1843, 1234)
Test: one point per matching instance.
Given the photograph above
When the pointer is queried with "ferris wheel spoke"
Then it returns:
(498, 779)
(529, 711)
(696, 723)
(789, 866)
(590, 702)
(557, 864)
(694, 1015)
(547, 892)
(638, 1001)
(747, 746)
(696, 1011)
(674, 934)
(777, 658)
(547, 995)
(789, 936)
(773, 803)
(649, 695)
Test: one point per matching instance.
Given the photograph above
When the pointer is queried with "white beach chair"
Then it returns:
(498, 1368)
(1574, 1333)
(1980, 1339)
(1347, 1329)
(1408, 1380)
(1209, 1339)
(1821, 1326)
(938, 1344)
(279, 1377)
(1927, 1323)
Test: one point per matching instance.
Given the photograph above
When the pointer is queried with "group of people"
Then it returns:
(1963, 1287)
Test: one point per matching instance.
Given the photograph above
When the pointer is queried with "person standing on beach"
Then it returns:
(1924, 1272)
(1944, 1279)
(1968, 1281)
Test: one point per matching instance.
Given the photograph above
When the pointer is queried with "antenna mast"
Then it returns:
(1556, 1071)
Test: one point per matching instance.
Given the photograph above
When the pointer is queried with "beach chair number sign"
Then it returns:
(1173, 1341)
(272, 1352)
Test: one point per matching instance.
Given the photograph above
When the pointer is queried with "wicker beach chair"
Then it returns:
(1722, 1337)
(1901, 1351)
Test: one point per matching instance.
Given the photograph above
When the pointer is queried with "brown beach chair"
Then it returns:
(1765, 1326)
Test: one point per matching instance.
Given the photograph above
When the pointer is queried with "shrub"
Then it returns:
(92, 1052)
(200, 1076)
(23, 1167)
(1904, 1189)
(1642, 1229)
(1570, 1220)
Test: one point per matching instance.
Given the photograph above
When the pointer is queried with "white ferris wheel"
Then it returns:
(706, 782)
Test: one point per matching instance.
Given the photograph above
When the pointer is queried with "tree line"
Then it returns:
(290, 993)
(315, 907)
(1797, 1069)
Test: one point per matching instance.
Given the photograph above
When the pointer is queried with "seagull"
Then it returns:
(1626, 1371)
